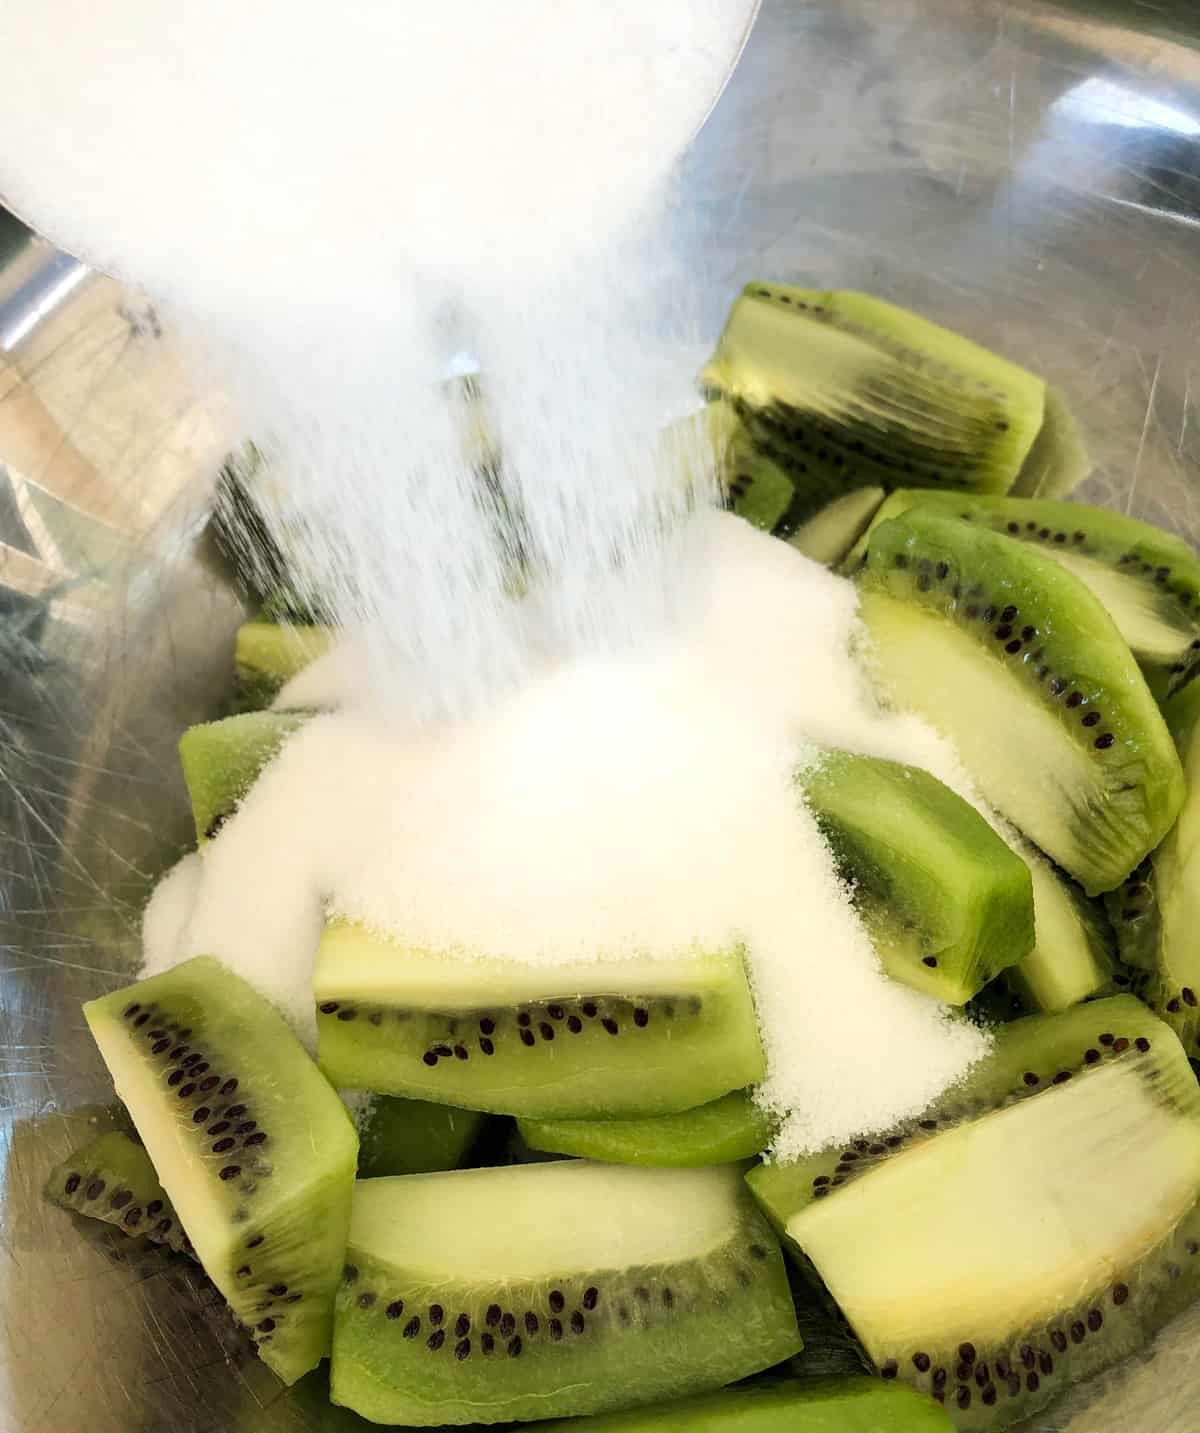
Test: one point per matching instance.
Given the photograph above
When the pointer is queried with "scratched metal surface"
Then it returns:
(1029, 173)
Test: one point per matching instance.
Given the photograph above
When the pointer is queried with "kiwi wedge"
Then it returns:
(856, 392)
(253, 1148)
(111, 1178)
(267, 655)
(1075, 1147)
(398, 1136)
(1146, 579)
(946, 903)
(554, 1289)
(830, 533)
(844, 1405)
(1058, 461)
(595, 1040)
(1018, 664)
(719, 1132)
(223, 759)
(1157, 912)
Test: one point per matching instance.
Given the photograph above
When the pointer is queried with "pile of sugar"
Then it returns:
(620, 807)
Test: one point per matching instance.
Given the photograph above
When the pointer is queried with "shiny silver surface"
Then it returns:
(1026, 172)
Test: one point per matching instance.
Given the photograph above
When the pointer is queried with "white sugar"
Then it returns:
(616, 808)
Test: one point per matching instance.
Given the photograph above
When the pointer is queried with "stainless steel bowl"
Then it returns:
(1027, 172)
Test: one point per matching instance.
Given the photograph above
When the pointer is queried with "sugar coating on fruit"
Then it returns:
(619, 807)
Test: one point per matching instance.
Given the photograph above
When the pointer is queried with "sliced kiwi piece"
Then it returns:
(594, 1040)
(719, 1132)
(397, 1136)
(845, 1405)
(223, 759)
(1015, 660)
(1058, 461)
(267, 655)
(946, 903)
(1074, 952)
(858, 393)
(254, 1149)
(111, 1178)
(1157, 912)
(1146, 579)
(829, 534)
(1084, 1186)
(554, 1289)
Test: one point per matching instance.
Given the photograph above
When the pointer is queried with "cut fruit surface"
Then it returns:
(1147, 580)
(856, 392)
(636, 1037)
(946, 903)
(1058, 461)
(269, 654)
(829, 534)
(845, 1405)
(112, 1179)
(1086, 1185)
(720, 1132)
(414, 1137)
(551, 1290)
(222, 759)
(1018, 664)
(253, 1147)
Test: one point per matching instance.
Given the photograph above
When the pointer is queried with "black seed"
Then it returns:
(131, 1009)
(546, 1030)
(121, 1198)
(963, 1372)
(1120, 1045)
(219, 1128)
(556, 1329)
(966, 1351)
(890, 1369)
(1014, 527)
(436, 1314)
(531, 1322)
(927, 1124)
(492, 1317)
(72, 1184)
(589, 1008)
(941, 571)
(412, 1328)
(1061, 1078)
(1105, 1040)
(133, 1216)
(1120, 1293)
(989, 614)
(1026, 1355)
(462, 1349)
(610, 1025)
(1189, 996)
(487, 1026)
(508, 1325)
(222, 1145)
(1057, 687)
(574, 1024)
(229, 1086)
(163, 1226)
(443, 1052)
(921, 1362)
(1094, 1319)
(1028, 634)
(1013, 646)
(159, 1046)
(177, 1052)
(366, 1300)
(930, 961)
(988, 1395)
(982, 1375)
(486, 1045)
(255, 1242)
(1090, 1056)
(963, 1397)
(395, 1309)
(527, 1037)
(266, 1326)
(1142, 1043)
(1030, 1078)
(1173, 1007)
(523, 1017)
(184, 1091)
(486, 1343)
(259, 1138)
(435, 1340)
(141, 1020)
(641, 1018)
(1032, 1382)
(460, 1052)
(1102, 743)
(235, 1112)
(231, 1171)
(347, 1014)
(514, 1347)
(1078, 1332)
(1059, 1340)
(1013, 1384)
(1003, 631)
(939, 1378)
(576, 1322)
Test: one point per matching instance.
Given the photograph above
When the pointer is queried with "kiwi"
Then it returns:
(267, 655)
(947, 904)
(414, 1137)
(846, 1405)
(1018, 664)
(595, 1040)
(253, 1148)
(222, 759)
(829, 534)
(720, 1132)
(1147, 580)
(842, 390)
(1037, 1223)
(1156, 913)
(111, 1178)
(554, 1289)
(1058, 461)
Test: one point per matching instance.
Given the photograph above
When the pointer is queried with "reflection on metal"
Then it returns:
(964, 157)
(51, 284)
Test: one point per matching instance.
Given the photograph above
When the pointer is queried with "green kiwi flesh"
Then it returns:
(1058, 461)
(397, 1136)
(844, 1405)
(1015, 661)
(554, 1289)
(947, 904)
(719, 1132)
(222, 760)
(858, 392)
(254, 1149)
(111, 1178)
(1050, 1230)
(1146, 579)
(1156, 914)
(267, 655)
(595, 1040)
(829, 534)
